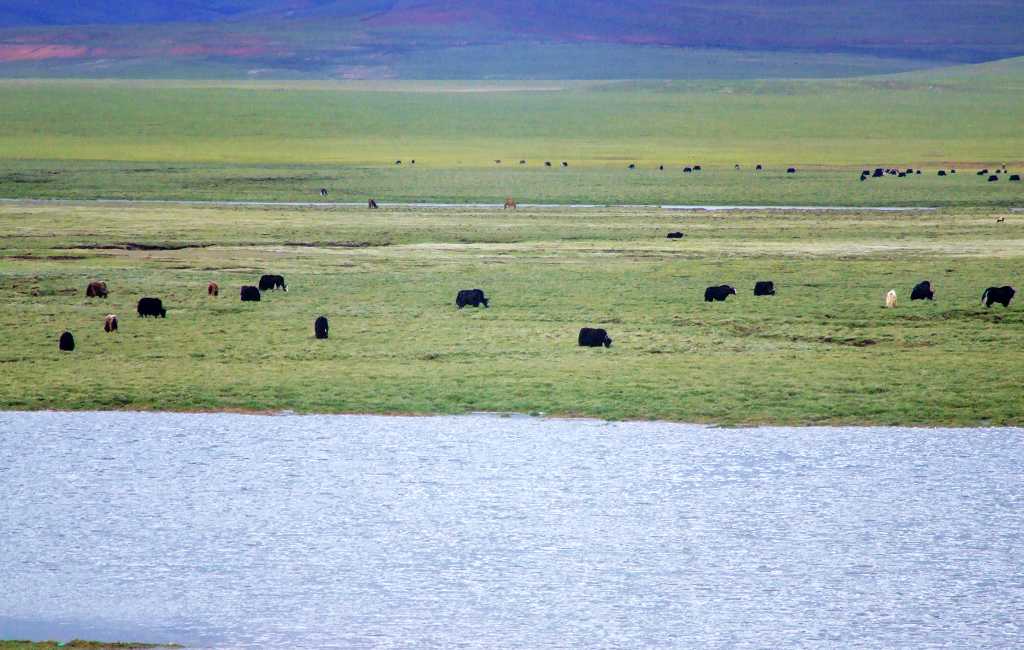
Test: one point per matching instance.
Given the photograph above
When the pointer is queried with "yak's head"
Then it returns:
(730, 290)
(607, 341)
(163, 313)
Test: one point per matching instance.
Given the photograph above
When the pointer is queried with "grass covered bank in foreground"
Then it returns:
(79, 644)
(821, 351)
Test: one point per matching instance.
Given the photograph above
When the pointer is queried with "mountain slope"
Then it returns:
(381, 38)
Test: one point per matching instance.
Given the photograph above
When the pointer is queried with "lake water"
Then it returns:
(235, 531)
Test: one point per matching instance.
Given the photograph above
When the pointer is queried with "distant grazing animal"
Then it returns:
(902, 174)
(510, 204)
(696, 168)
(910, 170)
(674, 235)
(878, 173)
(890, 299)
(922, 291)
(661, 168)
(110, 323)
(96, 290)
(952, 171)
(917, 173)
(719, 293)
(151, 307)
(791, 170)
(942, 172)
(1002, 295)
(594, 338)
(66, 342)
(213, 289)
(323, 191)
(398, 162)
(982, 172)
(866, 172)
(758, 168)
(472, 298)
(522, 162)
(497, 162)
(320, 327)
(736, 167)
(565, 164)
(412, 162)
(1000, 219)
(1015, 178)
(993, 178)
(863, 178)
(371, 204)
(269, 282)
(250, 293)
(687, 170)
(632, 166)
(764, 288)
(547, 163)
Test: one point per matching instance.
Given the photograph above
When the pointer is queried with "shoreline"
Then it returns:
(541, 417)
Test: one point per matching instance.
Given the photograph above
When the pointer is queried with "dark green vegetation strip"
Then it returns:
(619, 186)
(823, 350)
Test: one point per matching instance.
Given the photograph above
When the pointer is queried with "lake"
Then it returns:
(238, 531)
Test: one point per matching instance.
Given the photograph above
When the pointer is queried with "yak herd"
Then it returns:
(588, 337)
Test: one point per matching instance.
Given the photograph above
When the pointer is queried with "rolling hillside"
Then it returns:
(498, 38)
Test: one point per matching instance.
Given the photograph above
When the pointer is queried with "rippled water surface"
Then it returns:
(351, 531)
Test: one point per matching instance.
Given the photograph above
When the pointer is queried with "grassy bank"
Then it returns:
(822, 351)
(78, 644)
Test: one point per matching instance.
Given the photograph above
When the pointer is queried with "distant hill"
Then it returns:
(499, 38)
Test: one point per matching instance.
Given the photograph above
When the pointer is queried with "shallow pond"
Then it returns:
(482, 531)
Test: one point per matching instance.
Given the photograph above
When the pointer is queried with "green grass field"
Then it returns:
(282, 141)
(822, 351)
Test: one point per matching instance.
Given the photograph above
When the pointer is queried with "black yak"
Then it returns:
(471, 297)
(594, 338)
(719, 293)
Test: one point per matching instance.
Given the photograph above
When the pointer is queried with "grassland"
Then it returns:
(285, 140)
(822, 351)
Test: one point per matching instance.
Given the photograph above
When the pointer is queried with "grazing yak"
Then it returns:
(398, 162)
(110, 323)
(594, 338)
(878, 173)
(1015, 178)
(632, 166)
(890, 299)
(497, 162)
(687, 170)
(758, 168)
(661, 168)
(565, 164)
(249, 293)
(510, 204)
(674, 235)
(791, 170)
(66, 342)
(942, 172)
(371, 204)
(993, 178)
(547, 163)
(1002, 295)
(1000, 219)
(269, 282)
(213, 289)
(922, 291)
(320, 327)
(719, 293)
(471, 297)
(151, 307)
(764, 288)
(522, 162)
(96, 289)
(323, 191)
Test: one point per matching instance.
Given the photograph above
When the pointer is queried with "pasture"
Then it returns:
(824, 350)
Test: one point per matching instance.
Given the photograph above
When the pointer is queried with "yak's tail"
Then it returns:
(985, 295)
